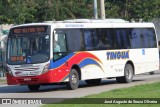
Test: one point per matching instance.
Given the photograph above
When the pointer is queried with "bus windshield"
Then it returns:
(28, 49)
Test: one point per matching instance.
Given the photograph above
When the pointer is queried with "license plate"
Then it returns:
(27, 79)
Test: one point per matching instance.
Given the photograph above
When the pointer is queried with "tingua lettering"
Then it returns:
(117, 55)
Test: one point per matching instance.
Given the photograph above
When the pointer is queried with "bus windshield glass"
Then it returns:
(29, 48)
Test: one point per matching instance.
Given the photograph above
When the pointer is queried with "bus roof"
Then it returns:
(91, 23)
(95, 21)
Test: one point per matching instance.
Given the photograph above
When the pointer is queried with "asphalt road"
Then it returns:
(55, 91)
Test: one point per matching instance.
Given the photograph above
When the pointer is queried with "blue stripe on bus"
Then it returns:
(88, 61)
(60, 61)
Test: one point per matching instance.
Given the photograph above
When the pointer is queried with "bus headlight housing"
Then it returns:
(45, 69)
(8, 70)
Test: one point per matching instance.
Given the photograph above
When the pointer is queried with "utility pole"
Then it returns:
(102, 9)
(95, 10)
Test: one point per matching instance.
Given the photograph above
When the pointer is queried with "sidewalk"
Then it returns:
(2, 78)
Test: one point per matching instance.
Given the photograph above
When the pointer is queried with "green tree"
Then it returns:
(133, 9)
(17, 11)
(72, 9)
(4, 12)
(28, 11)
(112, 9)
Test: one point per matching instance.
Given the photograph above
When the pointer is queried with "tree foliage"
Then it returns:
(28, 11)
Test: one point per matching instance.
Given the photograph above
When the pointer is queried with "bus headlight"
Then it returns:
(45, 69)
(8, 70)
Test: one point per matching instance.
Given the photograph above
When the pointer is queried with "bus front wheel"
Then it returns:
(33, 87)
(128, 75)
(73, 80)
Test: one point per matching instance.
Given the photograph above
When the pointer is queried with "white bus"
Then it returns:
(81, 49)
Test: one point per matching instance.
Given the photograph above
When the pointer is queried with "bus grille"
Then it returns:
(19, 69)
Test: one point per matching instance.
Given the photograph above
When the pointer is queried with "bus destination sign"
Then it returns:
(32, 29)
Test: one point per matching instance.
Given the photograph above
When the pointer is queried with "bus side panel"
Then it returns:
(90, 65)
(153, 59)
(138, 57)
(96, 67)
(145, 60)
(109, 66)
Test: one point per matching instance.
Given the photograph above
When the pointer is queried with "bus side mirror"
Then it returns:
(159, 43)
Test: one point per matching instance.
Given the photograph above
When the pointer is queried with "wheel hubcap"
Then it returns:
(74, 79)
(129, 73)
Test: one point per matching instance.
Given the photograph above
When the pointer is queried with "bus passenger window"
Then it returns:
(56, 47)
(91, 39)
(59, 46)
(122, 39)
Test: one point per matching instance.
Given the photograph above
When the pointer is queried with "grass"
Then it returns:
(141, 91)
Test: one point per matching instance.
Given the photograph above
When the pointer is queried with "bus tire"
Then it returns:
(73, 80)
(93, 81)
(33, 87)
(128, 75)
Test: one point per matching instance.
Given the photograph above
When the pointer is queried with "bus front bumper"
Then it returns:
(46, 78)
